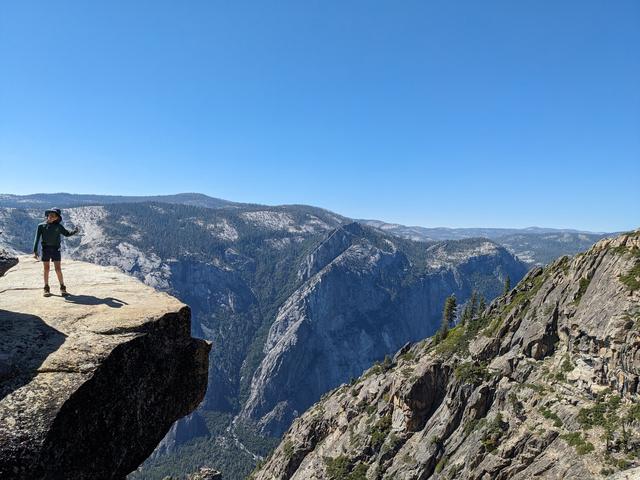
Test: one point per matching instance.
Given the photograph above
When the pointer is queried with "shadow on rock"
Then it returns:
(91, 300)
(25, 342)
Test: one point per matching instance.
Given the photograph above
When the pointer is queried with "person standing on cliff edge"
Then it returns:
(49, 231)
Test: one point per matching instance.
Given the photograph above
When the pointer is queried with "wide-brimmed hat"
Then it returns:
(57, 211)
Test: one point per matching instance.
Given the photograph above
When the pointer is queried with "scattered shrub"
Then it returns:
(567, 366)
(632, 278)
(380, 431)
(577, 440)
(470, 372)
(548, 414)
(493, 433)
(592, 416)
(287, 449)
(582, 288)
(441, 464)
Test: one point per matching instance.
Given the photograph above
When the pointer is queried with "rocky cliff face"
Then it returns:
(543, 384)
(90, 383)
(362, 299)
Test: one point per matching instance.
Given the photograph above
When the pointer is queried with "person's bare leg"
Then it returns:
(46, 266)
(58, 269)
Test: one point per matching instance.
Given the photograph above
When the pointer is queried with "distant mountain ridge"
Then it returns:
(446, 233)
(66, 200)
(533, 245)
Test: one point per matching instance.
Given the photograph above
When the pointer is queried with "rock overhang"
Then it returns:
(115, 354)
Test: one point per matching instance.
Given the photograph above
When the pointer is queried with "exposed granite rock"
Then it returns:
(543, 384)
(89, 384)
(359, 302)
(336, 242)
(6, 261)
(206, 473)
(631, 474)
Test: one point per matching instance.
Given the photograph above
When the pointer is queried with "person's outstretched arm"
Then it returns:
(68, 233)
(37, 239)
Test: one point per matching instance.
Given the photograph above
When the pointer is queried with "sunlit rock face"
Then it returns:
(90, 383)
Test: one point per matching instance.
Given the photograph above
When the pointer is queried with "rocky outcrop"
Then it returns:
(206, 473)
(90, 383)
(203, 473)
(543, 384)
(6, 261)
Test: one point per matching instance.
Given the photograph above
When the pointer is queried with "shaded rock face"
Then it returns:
(543, 384)
(90, 384)
(6, 261)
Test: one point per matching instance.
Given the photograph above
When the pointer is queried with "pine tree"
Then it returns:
(466, 314)
(474, 304)
(448, 316)
(507, 285)
(483, 305)
(453, 310)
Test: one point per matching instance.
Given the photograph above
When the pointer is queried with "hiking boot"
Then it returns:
(47, 291)
(63, 291)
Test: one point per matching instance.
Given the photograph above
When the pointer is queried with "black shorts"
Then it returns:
(50, 253)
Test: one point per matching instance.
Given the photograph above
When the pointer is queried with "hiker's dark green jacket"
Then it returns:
(50, 234)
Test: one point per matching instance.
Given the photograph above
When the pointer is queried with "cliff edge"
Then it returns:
(90, 383)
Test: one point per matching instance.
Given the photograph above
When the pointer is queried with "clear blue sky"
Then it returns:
(436, 113)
